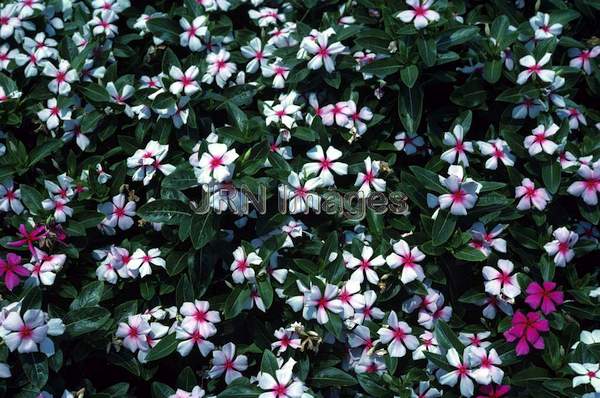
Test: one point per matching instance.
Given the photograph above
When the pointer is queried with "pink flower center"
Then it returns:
(133, 332)
(25, 332)
(216, 162)
(458, 196)
(420, 11)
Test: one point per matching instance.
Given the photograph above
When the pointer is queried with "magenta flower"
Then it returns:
(28, 238)
(491, 391)
(526, 329)
(11, 269)
(544, 295)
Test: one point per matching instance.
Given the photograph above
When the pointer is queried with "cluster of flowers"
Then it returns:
(117, 122)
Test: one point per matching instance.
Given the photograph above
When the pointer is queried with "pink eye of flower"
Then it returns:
(420, 11)
(25, 332)
(563, 247)
(458, 196)
(133, 332)
(216, 162)
(322, 302)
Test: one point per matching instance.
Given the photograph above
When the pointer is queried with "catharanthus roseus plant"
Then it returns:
(295, 199)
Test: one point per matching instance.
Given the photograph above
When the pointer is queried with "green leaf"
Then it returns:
(85, 320)
(492, 70)
(443, 227)
(382, 67)
(409, 75)
(165, 347)
(182, 178)
(90, 120)
(551, 176)
(453, 38)
(265, 291)
(32, 199)
(167, 211)
(446, 337)
(410, 107)
(427, 50)
(35, 367)
(95, 92)
(268, 363)
(41, 151)
(235, 302)
(187, 379)
(373, 385)
(160, 390)
(332, 377)
(204, 228)
(469, 254)
(164, 29)
(89, 297)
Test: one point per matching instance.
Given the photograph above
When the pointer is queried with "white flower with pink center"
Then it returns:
(10, 198)
(562, 246)
(421, 14)
(543, 29)
(581, 58)
(286, 338)
(241, 267)
(531, 196)
(283, 385)
(102, 23)
(368, 311)
(134, 333)
(225, 361)
(215, 165)
(119, 213)
(587, 373)
(53, 114)
(59, 207)
(278, 71)
(463, 372)
(408, 259)
(368, 179)
(458, 152)
(142, 261)
(486, 241)
(324, 164)
(398, 335)
(284, 112)
(257, 55)
(499, 151)
(334, 113)
(501, 281)
(323, 53)
(197, 315)
(535, 68)
(62, 77)
(574, 115)
(184, 81)
(318, 305)
(462, 196)
(365, 266)
(193, 33)
(219, 68)
(351, 298)
(357, 118)
(408, 142)
(539, 140)
(488, 365)
(191, 336)
(300, 194)
(589, 187)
